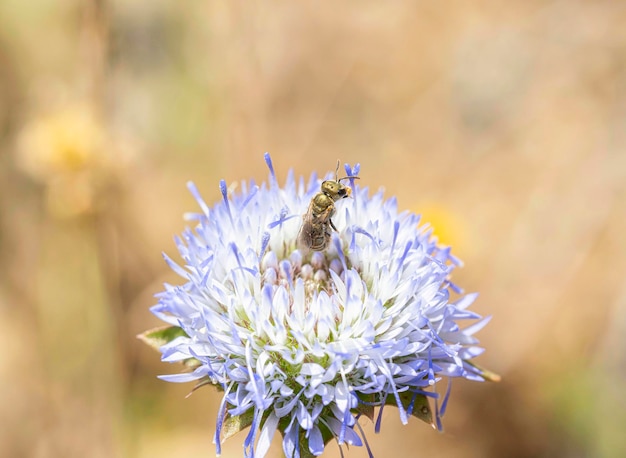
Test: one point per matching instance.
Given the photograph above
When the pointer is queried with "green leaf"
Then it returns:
(158, 337)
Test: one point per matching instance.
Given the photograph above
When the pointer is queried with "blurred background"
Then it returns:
(502, 123)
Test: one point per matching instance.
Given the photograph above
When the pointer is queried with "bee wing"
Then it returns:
(314, 233)
(307, 231)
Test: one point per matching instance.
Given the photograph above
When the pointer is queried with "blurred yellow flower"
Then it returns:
(65, 141)
(446, 225)
(69, 151)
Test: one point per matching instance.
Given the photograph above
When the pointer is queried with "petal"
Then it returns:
(267, 433)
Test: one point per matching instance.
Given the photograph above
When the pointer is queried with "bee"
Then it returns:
(316, 222)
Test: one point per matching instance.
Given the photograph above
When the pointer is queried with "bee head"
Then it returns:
(335, 190)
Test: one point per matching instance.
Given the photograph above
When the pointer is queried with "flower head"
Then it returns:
(304, 342)
(70, 151)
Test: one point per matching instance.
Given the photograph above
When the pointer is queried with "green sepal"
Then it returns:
(304, 445)
(484, 373)
(160, 336)
(205, 381)
(303, 441)
(232, 425)
(367, 407)
(421, 406)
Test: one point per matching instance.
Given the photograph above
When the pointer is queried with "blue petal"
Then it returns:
(266, 435)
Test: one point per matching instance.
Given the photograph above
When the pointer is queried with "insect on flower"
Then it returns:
(316, 222)
(306, 346)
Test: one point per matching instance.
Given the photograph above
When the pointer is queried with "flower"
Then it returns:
(70, 152)
(63, 141)
(305, 343)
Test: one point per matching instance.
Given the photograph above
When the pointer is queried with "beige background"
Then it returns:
(503, 123)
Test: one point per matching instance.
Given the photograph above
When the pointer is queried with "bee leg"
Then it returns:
(332, 225)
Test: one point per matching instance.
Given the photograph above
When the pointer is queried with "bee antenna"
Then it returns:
(337, 179)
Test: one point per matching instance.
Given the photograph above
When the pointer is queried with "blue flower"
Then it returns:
(305, 343)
